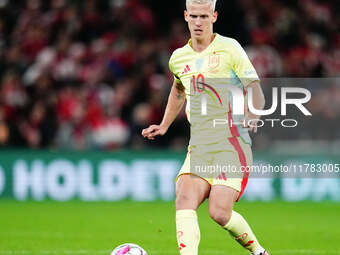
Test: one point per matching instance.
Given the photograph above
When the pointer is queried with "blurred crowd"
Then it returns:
(91, 74)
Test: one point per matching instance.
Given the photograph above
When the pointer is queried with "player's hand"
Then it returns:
(153, 130)
(251, 124)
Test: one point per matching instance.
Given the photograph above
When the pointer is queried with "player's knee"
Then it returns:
(220, 215)
(183, 201)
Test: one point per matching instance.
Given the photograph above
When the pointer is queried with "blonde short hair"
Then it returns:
(212, 2)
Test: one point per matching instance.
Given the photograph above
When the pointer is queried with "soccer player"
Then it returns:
(206, 57)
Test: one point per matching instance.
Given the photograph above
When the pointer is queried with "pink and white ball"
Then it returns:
(129, 249)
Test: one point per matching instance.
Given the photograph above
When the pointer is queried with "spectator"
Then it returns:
(90, 74)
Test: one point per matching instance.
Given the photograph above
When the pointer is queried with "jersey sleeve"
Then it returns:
(171, 67)
(242, 66)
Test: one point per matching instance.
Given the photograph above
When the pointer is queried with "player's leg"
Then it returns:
(191, 191)
(221, 201)
(227, 189)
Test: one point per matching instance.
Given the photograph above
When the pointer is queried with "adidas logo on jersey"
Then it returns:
(186, 69)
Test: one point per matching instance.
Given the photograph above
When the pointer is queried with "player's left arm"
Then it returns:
(258, 102)
(249, 78)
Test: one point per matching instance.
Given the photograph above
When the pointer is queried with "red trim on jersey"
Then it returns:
(213, 90)
(243, 161)
(188, 68)
(233, 129)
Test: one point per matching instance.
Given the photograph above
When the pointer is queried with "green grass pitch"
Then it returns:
(34, 228)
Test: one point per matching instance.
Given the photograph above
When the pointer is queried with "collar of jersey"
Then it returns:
(207, 48)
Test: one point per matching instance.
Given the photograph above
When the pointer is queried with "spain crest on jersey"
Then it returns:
(214, 61)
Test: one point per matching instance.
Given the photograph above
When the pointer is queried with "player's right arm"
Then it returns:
(175, 103)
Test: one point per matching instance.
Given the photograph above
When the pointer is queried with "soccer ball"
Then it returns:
(129, 249)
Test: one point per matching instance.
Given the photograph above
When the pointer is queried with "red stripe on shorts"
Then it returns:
(243, 161)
